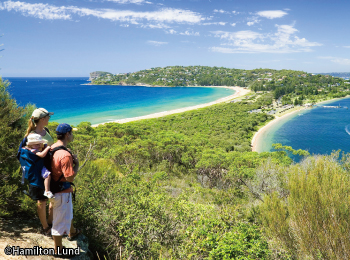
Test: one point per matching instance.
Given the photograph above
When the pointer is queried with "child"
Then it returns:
(35, 144)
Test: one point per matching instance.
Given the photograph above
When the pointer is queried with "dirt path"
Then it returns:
(26, 233)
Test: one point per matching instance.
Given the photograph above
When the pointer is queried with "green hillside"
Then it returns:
(193, 76)
(187, 186)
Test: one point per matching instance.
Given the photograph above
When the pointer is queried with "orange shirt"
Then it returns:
(62, 163)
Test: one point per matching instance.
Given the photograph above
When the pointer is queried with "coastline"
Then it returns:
(239, 92)
(268, 126)
(260, 133)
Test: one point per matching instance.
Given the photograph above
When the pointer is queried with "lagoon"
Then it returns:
(318, 130)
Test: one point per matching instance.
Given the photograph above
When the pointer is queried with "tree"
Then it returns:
(12, 128)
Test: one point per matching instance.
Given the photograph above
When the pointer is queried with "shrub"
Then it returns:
(218, 239)
(314, 221)
(12, 127)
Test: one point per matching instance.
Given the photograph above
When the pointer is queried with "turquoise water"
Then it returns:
(318, 130)
(73, 102)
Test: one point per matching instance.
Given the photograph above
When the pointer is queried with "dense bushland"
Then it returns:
(307, 213)
(149, 216)
(187, 186)
(12, 126)
(173, 187)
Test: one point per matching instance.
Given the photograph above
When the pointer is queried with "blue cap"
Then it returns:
(63, 129)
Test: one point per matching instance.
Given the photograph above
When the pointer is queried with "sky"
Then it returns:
(68, 38)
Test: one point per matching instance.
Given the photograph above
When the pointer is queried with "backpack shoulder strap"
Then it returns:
(46, 129)
(55, 150)
(22, 144)
(59, 148)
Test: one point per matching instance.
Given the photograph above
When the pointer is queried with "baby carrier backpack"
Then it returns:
(31, 166)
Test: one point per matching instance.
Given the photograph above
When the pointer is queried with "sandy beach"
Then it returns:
(239, 92)
(260, 133)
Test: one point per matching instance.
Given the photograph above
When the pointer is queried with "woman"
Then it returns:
(37, 124)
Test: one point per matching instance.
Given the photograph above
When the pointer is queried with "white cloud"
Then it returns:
(222, 50)
(41, 11)
(220, 11)
(156, 43)
(253, 20)
(240, 35)
(45, 11)
(215, 23)
(233, 24)
(272, 14)
(130, 1)
(346, 46)
(189, 33)
(167, 15)
(341, 61)
(235, 12)
(155, 26)
(171, 31)
(283, 41)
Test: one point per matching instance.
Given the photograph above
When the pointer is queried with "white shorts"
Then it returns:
(62, 214)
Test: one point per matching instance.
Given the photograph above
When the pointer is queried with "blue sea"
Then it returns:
(318, 130)
(73, 102)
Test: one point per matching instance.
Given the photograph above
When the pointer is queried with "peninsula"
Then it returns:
(286, 91)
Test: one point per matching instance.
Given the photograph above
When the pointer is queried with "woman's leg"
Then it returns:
(41, 208)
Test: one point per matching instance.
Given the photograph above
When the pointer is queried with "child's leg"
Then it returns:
(47, 183)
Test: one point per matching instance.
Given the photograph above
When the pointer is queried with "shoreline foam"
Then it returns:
(239, 92)
(269, 125)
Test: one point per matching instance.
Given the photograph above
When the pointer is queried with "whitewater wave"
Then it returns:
(347, 129)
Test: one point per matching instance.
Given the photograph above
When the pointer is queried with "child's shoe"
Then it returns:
(49, 194)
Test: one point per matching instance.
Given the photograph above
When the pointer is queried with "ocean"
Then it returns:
(318, 130)
(73, 102)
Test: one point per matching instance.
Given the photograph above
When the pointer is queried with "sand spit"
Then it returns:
(239, 92)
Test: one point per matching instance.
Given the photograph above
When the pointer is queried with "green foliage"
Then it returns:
(12, 127)
(226, 169)
(313, 220)
(178, 187)
(148, 212)
(216, 239)
(138, 217)
(193, 76)
(290, 149)
(179, 140)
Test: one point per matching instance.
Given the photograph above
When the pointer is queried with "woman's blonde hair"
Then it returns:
(31, 125)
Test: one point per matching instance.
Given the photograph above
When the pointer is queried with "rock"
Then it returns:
(26, 233)
(83, 243)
